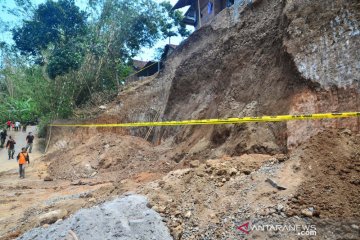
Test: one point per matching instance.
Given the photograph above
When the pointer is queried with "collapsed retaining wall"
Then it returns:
(280, 57)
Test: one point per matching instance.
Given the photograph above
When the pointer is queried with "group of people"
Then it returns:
(23, 156)
(16, 126)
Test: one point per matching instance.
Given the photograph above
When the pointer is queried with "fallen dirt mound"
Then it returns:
(331, 165)
(126, 218)
(209, 199)
(213, 198)
(102, 155)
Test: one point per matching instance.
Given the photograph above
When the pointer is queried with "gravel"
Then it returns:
(126, 218)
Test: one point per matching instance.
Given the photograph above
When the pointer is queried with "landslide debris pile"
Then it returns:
(212, 199)
(108, 153)
(331, 165)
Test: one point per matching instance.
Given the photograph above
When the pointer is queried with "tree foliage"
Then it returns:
(64, 56)
(172, 24)
(51, 32)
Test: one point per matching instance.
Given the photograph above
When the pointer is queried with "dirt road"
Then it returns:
(22, 201)
(20, 138)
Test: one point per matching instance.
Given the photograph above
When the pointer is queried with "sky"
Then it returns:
(146, 54)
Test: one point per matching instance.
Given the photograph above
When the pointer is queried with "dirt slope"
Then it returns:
(331, 166)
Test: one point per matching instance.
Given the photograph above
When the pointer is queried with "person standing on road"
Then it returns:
(3, 136)
(22, 158)
(17, 125)
(24, 127)
(8, 123)
(29, 140)
(10, 145)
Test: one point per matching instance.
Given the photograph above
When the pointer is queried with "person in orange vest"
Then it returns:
(22, 158)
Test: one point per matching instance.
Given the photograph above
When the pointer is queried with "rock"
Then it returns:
(159, 209)
(46, 225)
(177, 232)
(246, 171)
(316, 213)
(149, 205)
(270, 211)
(221, 172)
(53, 216)
(48, 179)
(282, 158)
(347, 132)
(59, 220)
(187, 214)
(354, 226)
(296, 167)
(280, 207)
(79, 182)
(290, 213)
(161, 183)
(195, 163)
(233, 171)
(102, 107)
(177, 213)
(93, 174)
(93, 200)
(86, 195)
(274, 184)
(223, 180)
(307, 213)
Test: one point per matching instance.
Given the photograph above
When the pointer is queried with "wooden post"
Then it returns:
(199, 10)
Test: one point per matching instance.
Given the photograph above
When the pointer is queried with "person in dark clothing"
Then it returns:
(3, 136)
(10, 145)
(29, 140)
(22, 158)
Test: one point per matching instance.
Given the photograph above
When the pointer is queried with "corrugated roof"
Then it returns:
(183, 3)
(172, 45)
(138, 64)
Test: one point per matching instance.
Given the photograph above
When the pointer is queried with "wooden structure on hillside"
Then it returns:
(201, 11)
(149, 68)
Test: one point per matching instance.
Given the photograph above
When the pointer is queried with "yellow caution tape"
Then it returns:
(142, 69)
(220, 121)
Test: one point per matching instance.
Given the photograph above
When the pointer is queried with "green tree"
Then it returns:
(172, 24)
(51, 33)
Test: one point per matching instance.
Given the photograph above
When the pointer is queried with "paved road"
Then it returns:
(20, 138)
